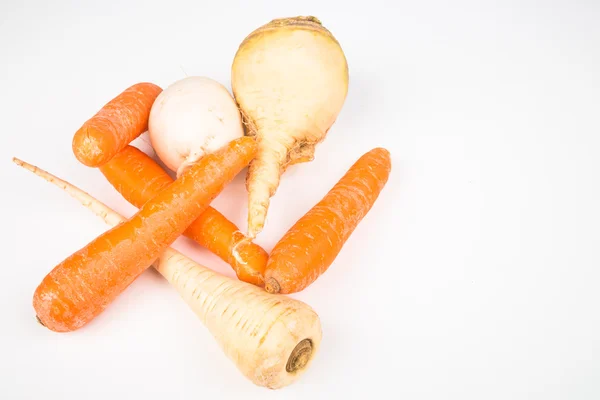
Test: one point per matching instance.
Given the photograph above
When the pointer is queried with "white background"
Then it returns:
(476, 274)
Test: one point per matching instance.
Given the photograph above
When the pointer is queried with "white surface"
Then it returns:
(475, 275)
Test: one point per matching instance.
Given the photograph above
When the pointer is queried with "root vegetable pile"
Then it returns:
(272, 339)
(289, 82)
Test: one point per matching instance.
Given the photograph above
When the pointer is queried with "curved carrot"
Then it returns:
(138, 178)
(312, 244)
(116, 124)
(85, 283)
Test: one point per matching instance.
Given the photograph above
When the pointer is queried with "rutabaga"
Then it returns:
(290, 79)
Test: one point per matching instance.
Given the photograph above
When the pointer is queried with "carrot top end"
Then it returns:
(272, 286)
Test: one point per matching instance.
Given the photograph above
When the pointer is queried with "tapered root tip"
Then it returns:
(40, 321)
(300, 356)
(272, 286)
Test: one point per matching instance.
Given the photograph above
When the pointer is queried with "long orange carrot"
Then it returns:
(310, 246)
(86, 282)
(116, 124)
(139, 178)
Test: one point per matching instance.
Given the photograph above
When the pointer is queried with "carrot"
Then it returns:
(138, 178)
(116, 124)
(81, 286)
(311, 245)
(272, 339)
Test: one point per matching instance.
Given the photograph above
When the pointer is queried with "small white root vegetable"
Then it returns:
(290, 79)
(272, 339)
(192, 117)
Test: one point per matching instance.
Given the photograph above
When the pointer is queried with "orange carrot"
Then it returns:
(116, 124)
(310, 246)
(85, 283)
(138, 178)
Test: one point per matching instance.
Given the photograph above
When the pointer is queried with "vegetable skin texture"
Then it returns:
(290, 79)
(85, 283)
(139, 178)
(272, 339)
(115, 125)
(311, 245)
(192, 117)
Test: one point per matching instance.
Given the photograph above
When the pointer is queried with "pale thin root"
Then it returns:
(109, 216)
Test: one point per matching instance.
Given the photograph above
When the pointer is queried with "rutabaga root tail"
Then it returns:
(262, 182)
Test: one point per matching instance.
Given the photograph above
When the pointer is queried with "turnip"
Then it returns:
(190, 118)
(272, 339)
(290, 80)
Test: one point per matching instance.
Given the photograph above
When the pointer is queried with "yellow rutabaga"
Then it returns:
(290, 80)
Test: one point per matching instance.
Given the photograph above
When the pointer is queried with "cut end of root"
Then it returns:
(300, 356)
(39, 321)
(272, 286)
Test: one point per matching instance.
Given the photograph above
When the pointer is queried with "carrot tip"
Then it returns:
(272, 286)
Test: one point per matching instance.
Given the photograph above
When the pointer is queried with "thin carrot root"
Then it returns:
(272, 339)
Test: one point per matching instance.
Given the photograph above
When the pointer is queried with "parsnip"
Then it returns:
(272, 339)
(290, 80)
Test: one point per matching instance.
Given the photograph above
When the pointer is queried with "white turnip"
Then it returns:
(191, 118)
